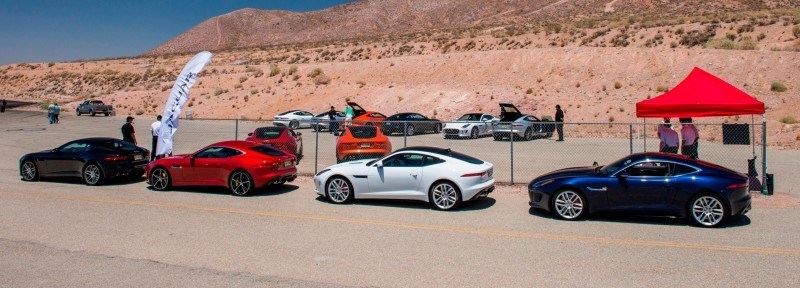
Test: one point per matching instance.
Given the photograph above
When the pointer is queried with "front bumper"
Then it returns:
(457, 132)
(538, 199)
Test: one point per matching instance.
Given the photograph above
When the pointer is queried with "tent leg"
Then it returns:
(764, 189)
(645, 134)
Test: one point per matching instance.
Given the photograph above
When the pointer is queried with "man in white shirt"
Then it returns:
(669, 138)
(154, 130)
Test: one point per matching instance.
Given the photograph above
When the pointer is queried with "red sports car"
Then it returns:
(281, 137)
(241, 166)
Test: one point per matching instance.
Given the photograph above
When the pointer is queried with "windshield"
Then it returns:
(363, 132)
(269, 132)
(464, 157)
(470, 117)
(287, 112)
(611, 168)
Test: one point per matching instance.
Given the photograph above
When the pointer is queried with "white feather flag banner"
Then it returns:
(177, 98)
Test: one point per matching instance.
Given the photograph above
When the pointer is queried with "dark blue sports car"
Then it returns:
(645, 183)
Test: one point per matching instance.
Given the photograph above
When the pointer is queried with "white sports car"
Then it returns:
(294, 119)
(472, 125)
(441, 177)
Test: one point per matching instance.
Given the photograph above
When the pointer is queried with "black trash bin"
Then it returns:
(770, 184)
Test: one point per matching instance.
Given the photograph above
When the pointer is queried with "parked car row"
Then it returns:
(645, 183)
(511, 123)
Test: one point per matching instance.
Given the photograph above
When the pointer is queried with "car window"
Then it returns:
(363, 132)
(404, 160)
(469, 117)
(266, 150)
(217, 152)
(430, 160)
(649, 169)
(486, 118)
(377, 115)
(418, 117)
(73, 147)
(269, 132)
(680, 169)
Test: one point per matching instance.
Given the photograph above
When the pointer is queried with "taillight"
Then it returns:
(477, 174)
(737, 185)
(517, 125)
(115, 158)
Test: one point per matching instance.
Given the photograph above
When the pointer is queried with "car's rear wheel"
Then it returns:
(444, 195)
(78, 113)
(707, 211)
(106, 114)
(294, 124)
(29, 171)
(474, 133)
(160, 179)
(339, 190)
(437, 128)
(241, 183)
(410, 130)
(91, 112)
(92, 174)
(569, 205)
(528, 134)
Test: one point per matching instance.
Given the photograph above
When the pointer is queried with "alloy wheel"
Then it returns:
(569, 205)
(474, 133)
(241, 184)
(339, 190)
(159, 179)
(28, 171)
(410, 130)
(528, 134)
(294, 124)
(444, 196)
(92, 174)
(708, 211)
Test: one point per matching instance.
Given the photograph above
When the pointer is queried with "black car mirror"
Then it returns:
(623, 174)
(250, 134)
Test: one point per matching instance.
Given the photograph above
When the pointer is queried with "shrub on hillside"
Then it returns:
(777, 86)
(788, 120)
(796, 31)
(698, 37)
(274, 70)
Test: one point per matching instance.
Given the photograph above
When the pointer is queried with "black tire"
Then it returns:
(569, 205)
(528, 134)
(474, 133)
(91, 112)
(294, 124)
(497, 138)
(77, 113)
(707, 210)
(342, 188)
(106, 114)
(157, 174)
(549, 134)
(437, 128)
(410, 130)
(449, 196)
(92, 174)
(240, 183)
(29, 171)
(315, 128)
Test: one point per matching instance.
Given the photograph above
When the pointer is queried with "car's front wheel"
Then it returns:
(444, 195)
(410, 130)
(707, 211)
(474, 133)
(92, 174)
(294, 124)
(339, 190)
(437, 128)
(569, 205)
(28, 171)
(241, 183)
(160, 179)
(77, 113)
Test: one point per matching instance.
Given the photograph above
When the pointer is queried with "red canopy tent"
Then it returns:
(700, 95)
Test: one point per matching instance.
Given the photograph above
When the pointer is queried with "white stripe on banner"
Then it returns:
(177, 98)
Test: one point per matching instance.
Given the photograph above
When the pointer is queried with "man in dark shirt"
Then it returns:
(332, 118)
(3, 106)
(128, 134)
(559, 123)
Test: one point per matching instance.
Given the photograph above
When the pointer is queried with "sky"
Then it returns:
(64, 30)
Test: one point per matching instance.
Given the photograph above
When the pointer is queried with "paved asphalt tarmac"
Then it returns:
(62, 233)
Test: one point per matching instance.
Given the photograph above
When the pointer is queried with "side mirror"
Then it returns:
(623, 174)
(250, 134)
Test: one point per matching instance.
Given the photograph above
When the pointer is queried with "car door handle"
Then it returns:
(597, 189)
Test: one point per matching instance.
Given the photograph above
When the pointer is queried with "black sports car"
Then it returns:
(92, 159)
(645, 183)
(410, 124)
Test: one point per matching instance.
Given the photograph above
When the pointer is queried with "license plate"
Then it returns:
(287, 163)
(366, 145)
(503, 126)
(138, 156)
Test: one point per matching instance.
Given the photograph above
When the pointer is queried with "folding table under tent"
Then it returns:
(702, 94)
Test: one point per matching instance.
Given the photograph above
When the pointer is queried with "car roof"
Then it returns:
(96, 139)
(429, 149)
(238, 144)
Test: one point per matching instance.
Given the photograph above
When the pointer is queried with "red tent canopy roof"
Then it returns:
(700, 95)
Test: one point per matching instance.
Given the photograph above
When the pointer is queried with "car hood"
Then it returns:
(459, 124)
(567, 172)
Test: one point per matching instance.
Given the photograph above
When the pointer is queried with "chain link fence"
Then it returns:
(534, 149)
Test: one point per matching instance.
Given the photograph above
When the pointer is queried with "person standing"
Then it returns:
(154, 130)
(690, 136)
(128, 133)
(3, 106)
(668, 137)
(51, 110)
(56, 112)
(332, 120)
(560, 123)
(348, 114)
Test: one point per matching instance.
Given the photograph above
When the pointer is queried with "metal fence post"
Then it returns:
(630, 136)
(644, 130)
(511, 139)
(236, 136)
(316, 147)
(405, 134)
(764, 189)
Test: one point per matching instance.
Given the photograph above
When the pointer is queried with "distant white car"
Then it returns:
(441, 177)
(294, 119)
(472, 125)
(322, 121)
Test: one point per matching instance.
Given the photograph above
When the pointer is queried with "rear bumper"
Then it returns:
(119, 170)
(479, 190)
(361, 154)
(742, 205)
(506, 133)
(275, 177)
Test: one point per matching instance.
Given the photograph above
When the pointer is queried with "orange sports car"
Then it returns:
(362, 142)
(364, 117)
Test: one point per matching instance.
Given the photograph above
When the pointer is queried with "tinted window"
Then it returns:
(432, 160)
(266, 150)
(73, 147)
(217, 152)
(377, 115)
(487, 118)
(363, 132)
(404, 160)
(269, 132)
(417, 117)
(655, 169)
(469, 117)
(465, 158)
(611, 168)
(116, 146)
(678, 169)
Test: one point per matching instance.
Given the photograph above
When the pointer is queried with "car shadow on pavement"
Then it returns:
(736, 221)
(105, 183)
(480, 204)
(260, 192)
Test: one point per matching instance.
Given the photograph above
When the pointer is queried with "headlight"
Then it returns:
(323, 171)
(542, 183)
(465, 126)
